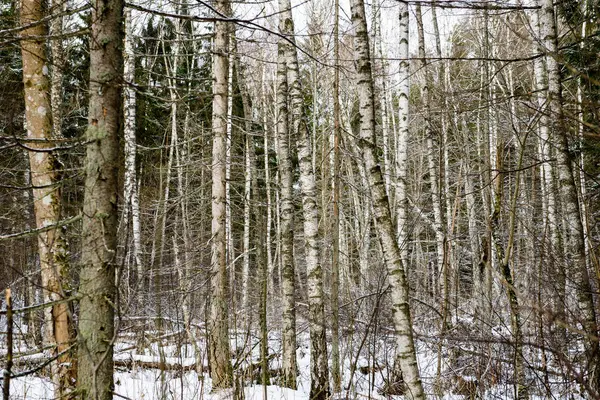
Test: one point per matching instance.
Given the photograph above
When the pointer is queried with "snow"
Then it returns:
(365, 382)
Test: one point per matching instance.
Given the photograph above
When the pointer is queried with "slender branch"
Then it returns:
(32, 232)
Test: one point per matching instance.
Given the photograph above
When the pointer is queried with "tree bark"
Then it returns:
(547, 170)
(504, 254)
(58, 63)
(218, 333)
(432, 161)
(131, 208)
(45, 179)
(391, 253)
(97, 279)
(574, 257)
(403, 131)
(335, 254)
(319, 388)
(286, 225)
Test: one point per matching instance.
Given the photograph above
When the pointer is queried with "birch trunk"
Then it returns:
(548, 186)
(131, 207)
(286, 224)
(267, 132)
(586, 30)
(248, 177)
(97, 278)
(486, 181)
(403, 129)
(433, 167)
(444, 209)
(473, 234)
(335, 256)
(218, 333)
(230, 249)
(45, 179)
(319, 388)
(391, 252)
(575, 240)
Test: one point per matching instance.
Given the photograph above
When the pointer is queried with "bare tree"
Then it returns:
(575, 256)
(319, 388)
(405, 346)
(286, 217)
(131, 208)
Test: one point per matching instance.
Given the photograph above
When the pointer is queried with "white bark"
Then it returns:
(574, 257)
(131, 208)
(300, 132)
(433, 167)
(267, 133)
(286, 223)
(228, 228)
(335, 187)
(403, 131)
(406, 353)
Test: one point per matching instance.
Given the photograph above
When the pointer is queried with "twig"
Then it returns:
(32, 232)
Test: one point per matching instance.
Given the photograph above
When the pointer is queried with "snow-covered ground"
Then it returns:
(139, 383)
(152, 384)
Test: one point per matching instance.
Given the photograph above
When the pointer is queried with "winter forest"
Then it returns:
(317, 199)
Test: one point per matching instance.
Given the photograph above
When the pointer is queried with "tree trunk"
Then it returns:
(99, 244)
(249, 176)
(218, 333)
(504, 253)
(58, 63)
(335, 254)
(45, 179)
(574, 260)
(131, 208)
(432, 161)
(286, 225)
(547, 174)
(402, 140)
(319, 388)
(391, 252)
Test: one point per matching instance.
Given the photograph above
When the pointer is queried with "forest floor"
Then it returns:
(365, 368)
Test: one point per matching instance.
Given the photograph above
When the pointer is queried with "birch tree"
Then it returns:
(574, 260)
(286, 223)
(433, 168)
(319, 388)
(335, 254)
(403, 132)
(131, 207)
(405, 346)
